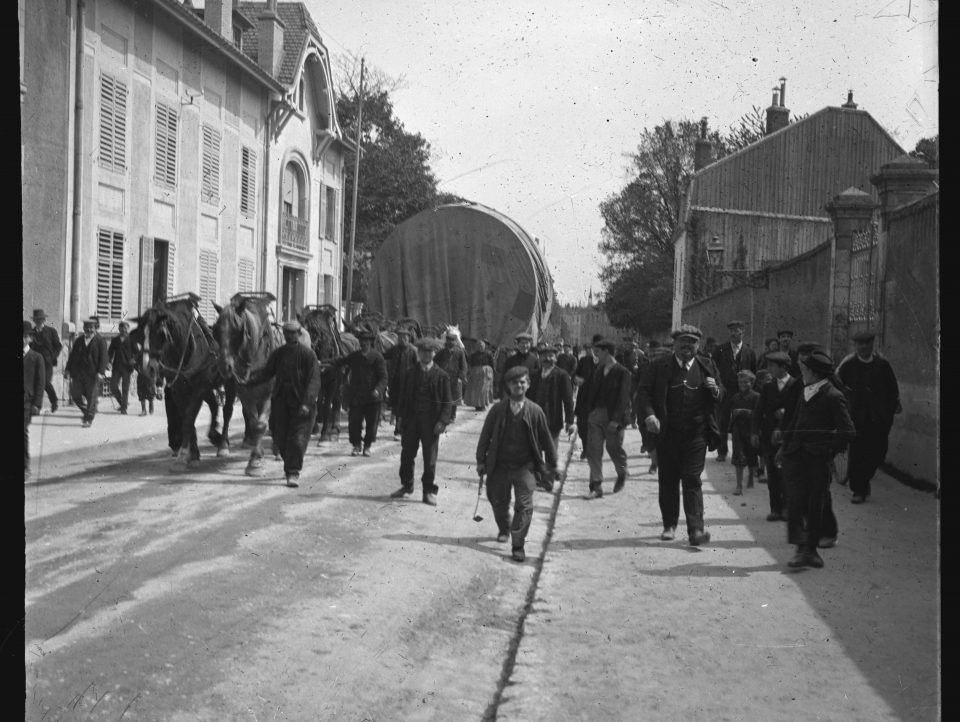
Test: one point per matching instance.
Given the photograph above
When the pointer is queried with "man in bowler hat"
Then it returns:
(86, 370)
(731, 357)
(45, 340)
(33, 382)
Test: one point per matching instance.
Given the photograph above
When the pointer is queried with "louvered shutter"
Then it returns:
(208, 283)
(210, 183)
(248, 181)
(146, 272)
(166, 146)
(109, 274)
(113, 123)
(171, 269)
(245, 274)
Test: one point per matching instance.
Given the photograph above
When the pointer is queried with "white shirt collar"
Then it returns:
(684, 365)
(781, 382)
(736, 347)
(810, 391)
(544, 371)
(516, 406)
(26, 347)
(427, 367)
(866, 360)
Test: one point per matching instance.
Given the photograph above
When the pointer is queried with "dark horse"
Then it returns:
(246, 334)
(328, 344)
(175, 334)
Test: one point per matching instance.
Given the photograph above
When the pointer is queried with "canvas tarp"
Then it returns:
(464, 264)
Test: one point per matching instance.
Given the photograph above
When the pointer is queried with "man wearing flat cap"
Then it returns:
(819, 427)
(566, 360)
(366, 388)
(769, 413)
(453, 359)
(678, 399)
(523, 355)
(33, 382)
(552, 390)
(785, 338)
(399, 359)
(122, 356)
(731, 357)
(293, 404)
(609, 416)
(581, 382)
(874, 401)
(515, 446)
(45, 341)
(86, 370)
(424, 409)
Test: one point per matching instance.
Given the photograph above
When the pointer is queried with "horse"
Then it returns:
(382, 329)
(246, 335)
(175, 335)
(328, 344)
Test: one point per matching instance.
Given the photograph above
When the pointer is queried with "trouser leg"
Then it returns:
(125, 390)
(355, 424)
(76, 395)
(829, 528)
(92, 392)
(583, 430)
(595, 440)
(298, 436)
(524, 484)
(280, 429)
(724, 423)
(614, 444)
(48, 385)
(668, 484)
(774, 483)
(27, 415)
(115, 387)
(867, 451)
(691, 460)
(498, 494)
(371, 417)
(409, 445)
(431, 447)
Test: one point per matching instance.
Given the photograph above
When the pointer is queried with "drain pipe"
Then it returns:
(77, 174)
(265, 200)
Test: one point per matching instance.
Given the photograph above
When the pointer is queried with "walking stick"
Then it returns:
(476, 516)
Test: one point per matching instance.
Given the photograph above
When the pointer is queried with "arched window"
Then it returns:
(294, 191)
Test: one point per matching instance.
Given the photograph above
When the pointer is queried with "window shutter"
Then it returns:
(245, 274)
(113, 123)
(208, 283)
(171, 269)
(248, 181)
(146, 273)
(210, 185)
(109, 274)
(166, 141)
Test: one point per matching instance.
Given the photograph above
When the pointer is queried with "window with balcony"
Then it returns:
(294, 211)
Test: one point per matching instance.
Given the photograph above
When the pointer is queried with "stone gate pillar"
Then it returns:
(851, 212)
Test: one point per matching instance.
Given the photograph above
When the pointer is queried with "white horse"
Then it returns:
(455, 331)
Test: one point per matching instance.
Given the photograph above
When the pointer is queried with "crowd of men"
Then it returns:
(787, 412)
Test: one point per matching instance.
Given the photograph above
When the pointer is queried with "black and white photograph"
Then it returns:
(480, 361)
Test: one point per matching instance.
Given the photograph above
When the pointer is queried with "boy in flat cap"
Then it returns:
(874, 401)
(424, 409)
(366, 388)
(609, 416)
(523, 355)
(552, 390)
(731, 357)
(818, 428)
(122, 355)
(33, 383)
(768, 415)
(515, 445)
(678, 398)
(45, 340)
(293, 404)
(86, 370)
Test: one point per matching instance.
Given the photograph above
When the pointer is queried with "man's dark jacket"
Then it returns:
(438, 394)
(538, 435)
(765, 418)
(728, 365)
(400, 359)
(46, 342)
(34, 379)
(453, 360)
(821, 426)
(652, 395)
(368, 373)
(553, 394)
(617, 404)
(87, 360)
(296, 373)
(122, 354)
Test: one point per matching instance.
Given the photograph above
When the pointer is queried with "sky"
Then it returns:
(533, 107)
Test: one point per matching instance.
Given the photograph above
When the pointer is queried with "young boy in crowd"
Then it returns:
(742, 406)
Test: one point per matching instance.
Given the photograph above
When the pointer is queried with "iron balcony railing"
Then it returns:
(295, 232)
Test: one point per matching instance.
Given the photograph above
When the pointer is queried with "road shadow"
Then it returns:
(650, 541)
(482, 544)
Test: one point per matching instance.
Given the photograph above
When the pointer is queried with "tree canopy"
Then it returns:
(928, 149)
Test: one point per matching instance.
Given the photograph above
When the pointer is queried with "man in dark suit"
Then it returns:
(367, 388)
(566, 360)
(46, 341)
(86, 370)
(121, 354)
(768, 416)
(819, 426)
(453, 359)
(678, 398)
(731, 357)
(424, 409)
(399, 359)
(33, 383)
(581, 381)
(552, 390)
(874, 401)
(609, 416)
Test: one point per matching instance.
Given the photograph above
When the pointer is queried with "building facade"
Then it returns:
(169, 148)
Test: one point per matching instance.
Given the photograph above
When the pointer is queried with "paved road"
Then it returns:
(152, 595)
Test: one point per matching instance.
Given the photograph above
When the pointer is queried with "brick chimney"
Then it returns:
(703, 152)
(849, 104)
(270, 38)
(903, 180)
(218, 14)
(778, 115)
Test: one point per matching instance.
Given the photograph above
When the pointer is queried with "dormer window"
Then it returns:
(238, 37)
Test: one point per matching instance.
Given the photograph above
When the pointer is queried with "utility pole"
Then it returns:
(356, 182)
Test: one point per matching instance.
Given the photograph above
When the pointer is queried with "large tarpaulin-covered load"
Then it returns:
(466, 264)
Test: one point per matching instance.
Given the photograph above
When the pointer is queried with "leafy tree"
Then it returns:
(396, 181)
(928, 149)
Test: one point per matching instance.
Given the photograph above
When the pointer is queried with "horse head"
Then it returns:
(320, 323)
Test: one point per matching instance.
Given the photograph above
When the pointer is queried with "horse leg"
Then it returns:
(255, 464)
(230, 395)
(189, 455)
(213, 435)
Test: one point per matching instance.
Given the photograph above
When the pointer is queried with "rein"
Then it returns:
(186, 347)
